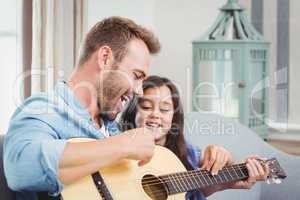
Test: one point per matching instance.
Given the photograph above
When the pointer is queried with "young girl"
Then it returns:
(160, 108)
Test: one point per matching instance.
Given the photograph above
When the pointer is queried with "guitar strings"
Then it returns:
(171, 180)
(240, 167)
(162, 191)
(193, 173)
(197, 172)
(153, 180)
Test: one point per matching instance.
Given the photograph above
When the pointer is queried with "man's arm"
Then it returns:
(35, 159)
(30, 156)
(83, 158)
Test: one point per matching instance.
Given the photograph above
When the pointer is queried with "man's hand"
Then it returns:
(215, 158)
(140, 144)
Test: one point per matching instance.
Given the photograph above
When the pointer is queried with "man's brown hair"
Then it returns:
(116, 32)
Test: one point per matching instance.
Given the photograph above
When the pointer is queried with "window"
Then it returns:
(8, 61)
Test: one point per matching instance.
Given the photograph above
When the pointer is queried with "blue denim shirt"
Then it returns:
(37, 134)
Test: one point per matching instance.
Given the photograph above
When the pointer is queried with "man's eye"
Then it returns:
(136, 76)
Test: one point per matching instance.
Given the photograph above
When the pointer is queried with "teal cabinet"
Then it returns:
(230, 70)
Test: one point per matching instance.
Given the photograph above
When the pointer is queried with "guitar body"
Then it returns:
(124, 180)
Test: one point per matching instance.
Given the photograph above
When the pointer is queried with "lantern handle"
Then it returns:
(232, 5)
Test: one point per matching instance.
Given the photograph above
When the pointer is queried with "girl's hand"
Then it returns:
(215, 158)
(256, 171)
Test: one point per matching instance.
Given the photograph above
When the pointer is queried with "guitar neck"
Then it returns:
(197, 179)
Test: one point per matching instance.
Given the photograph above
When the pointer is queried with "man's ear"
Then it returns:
(104, 57)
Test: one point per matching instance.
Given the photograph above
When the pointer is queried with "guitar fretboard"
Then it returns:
(196, 179)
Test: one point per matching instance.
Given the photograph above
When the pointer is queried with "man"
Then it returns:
(114, 61)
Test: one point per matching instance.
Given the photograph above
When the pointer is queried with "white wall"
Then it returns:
(294, 73)
(270, 33)
(175, 22)
(137, 10)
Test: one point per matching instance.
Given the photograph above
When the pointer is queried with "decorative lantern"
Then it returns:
(230, 66)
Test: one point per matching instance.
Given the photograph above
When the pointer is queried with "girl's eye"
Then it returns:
(164, 110)
(146, 107)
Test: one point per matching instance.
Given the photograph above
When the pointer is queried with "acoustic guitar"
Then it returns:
(164, 177)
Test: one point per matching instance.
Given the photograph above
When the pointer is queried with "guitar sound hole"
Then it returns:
(154, 187)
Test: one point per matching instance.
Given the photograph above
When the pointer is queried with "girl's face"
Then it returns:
(155, 110)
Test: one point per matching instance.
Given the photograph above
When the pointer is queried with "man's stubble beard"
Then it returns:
(109, 93)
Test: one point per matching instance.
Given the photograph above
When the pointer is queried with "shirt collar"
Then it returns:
(64, 92)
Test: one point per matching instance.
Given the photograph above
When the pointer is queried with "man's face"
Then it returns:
(119, 83)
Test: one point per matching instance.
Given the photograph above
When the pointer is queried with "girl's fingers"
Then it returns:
(215, 158)
(267, 171)
(212, 159)
(218, 164)
(260, 169)
(252, 171)
(205, 159)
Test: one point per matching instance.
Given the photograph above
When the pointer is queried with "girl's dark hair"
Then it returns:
(175, 138)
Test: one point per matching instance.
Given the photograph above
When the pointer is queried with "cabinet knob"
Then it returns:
(241, 85)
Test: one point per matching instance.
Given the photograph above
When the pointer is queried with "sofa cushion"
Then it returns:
(5, 192)
(204, 129)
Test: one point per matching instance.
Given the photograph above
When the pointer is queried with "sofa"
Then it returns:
(5, 192)
(204, 129)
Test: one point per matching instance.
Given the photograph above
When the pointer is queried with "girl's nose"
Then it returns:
(156, 114)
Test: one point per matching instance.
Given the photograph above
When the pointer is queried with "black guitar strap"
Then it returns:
(101, 186)
(99, 183)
